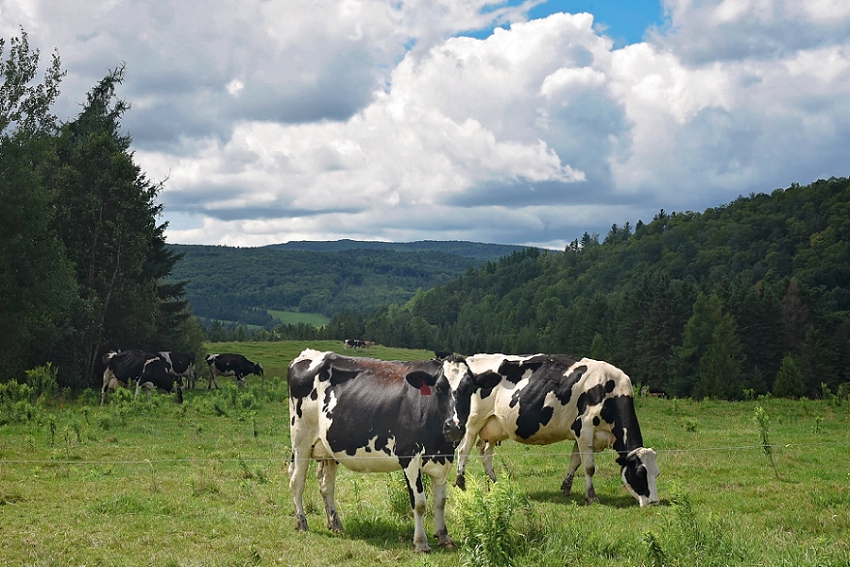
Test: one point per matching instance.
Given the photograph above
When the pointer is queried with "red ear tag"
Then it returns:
(425, 390)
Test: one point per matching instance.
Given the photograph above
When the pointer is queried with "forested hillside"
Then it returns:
(737, 300)
(241, 284)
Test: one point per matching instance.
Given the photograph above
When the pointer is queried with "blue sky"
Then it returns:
(404, 120)
(623, 21)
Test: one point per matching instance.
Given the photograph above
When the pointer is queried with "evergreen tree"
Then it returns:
(720, 367)
(597, 348)
(37, 289)
(789, 380)
(698, 335)
(107, 217)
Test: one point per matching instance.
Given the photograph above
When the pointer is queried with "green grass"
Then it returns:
(205, 483)
(294, 317)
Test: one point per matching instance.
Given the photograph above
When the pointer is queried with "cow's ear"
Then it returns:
(422, 381)
(487, 380)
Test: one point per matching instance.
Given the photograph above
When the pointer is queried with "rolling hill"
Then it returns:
(242, 284)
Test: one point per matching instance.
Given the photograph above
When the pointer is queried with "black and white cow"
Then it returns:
(374, 416)
(148, 370)
(541, 399)
(356, 344)
(182, 366)
(231, 365)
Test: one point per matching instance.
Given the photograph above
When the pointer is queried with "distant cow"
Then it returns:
(148, 370)
(374, 416)
(542, 399)
(231, 365)
(182, 366)
(356, 344)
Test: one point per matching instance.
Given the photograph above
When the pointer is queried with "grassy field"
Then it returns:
(205, 483)
(293, 318)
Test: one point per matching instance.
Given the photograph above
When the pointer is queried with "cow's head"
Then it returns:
(442, 386)
(639, 473)
(258, 369)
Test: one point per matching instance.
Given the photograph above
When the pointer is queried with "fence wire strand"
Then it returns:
(473, 455)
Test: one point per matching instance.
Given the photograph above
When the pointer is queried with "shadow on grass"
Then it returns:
(556, 497)
(385, 534)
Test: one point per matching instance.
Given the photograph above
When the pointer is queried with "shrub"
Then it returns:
(43, 381)
(490, 523)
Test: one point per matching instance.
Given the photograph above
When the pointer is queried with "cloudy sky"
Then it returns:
(519, 122)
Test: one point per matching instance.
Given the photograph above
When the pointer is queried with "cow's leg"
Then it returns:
(147, 386)
(327, 477)
(109, 382)
(297, 481)
(213, 376)
(413, 474)
(487, 448)
(575, 462)
(463, 450)
(589, 465)
(441, 532)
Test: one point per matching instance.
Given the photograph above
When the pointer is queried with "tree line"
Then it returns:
(84, 260)
(740, 300)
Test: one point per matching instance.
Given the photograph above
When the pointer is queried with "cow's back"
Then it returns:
(543, 400)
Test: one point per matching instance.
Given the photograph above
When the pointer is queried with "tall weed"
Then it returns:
(493, 524)
(690, 540)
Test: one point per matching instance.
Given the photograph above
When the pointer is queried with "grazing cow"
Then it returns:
(374, 416)
(149, 370)
(232, 365)
(542, 399)
(368, 344)
(182, 366)
(356, 344)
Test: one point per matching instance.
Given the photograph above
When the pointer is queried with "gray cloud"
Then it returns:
(276, 121)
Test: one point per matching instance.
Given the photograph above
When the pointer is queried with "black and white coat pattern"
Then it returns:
(374, 416)
(182, 366)
(542, 399)
(228, 364)
(150, 371)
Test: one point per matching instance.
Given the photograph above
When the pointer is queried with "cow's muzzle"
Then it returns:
(453, 431)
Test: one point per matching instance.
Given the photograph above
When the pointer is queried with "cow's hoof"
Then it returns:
(301, 523)
(567, 486)
(460, 482)
(445, 541)
(588, 500)
(422, 548)
(335, 525)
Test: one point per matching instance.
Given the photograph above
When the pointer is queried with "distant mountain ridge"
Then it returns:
(242, 284)
(476, 250)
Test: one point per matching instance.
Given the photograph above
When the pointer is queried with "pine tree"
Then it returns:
(107, 217)
(720, 367)
(789, 380)
(698, 335)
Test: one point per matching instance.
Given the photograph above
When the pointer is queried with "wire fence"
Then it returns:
(473, 455)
